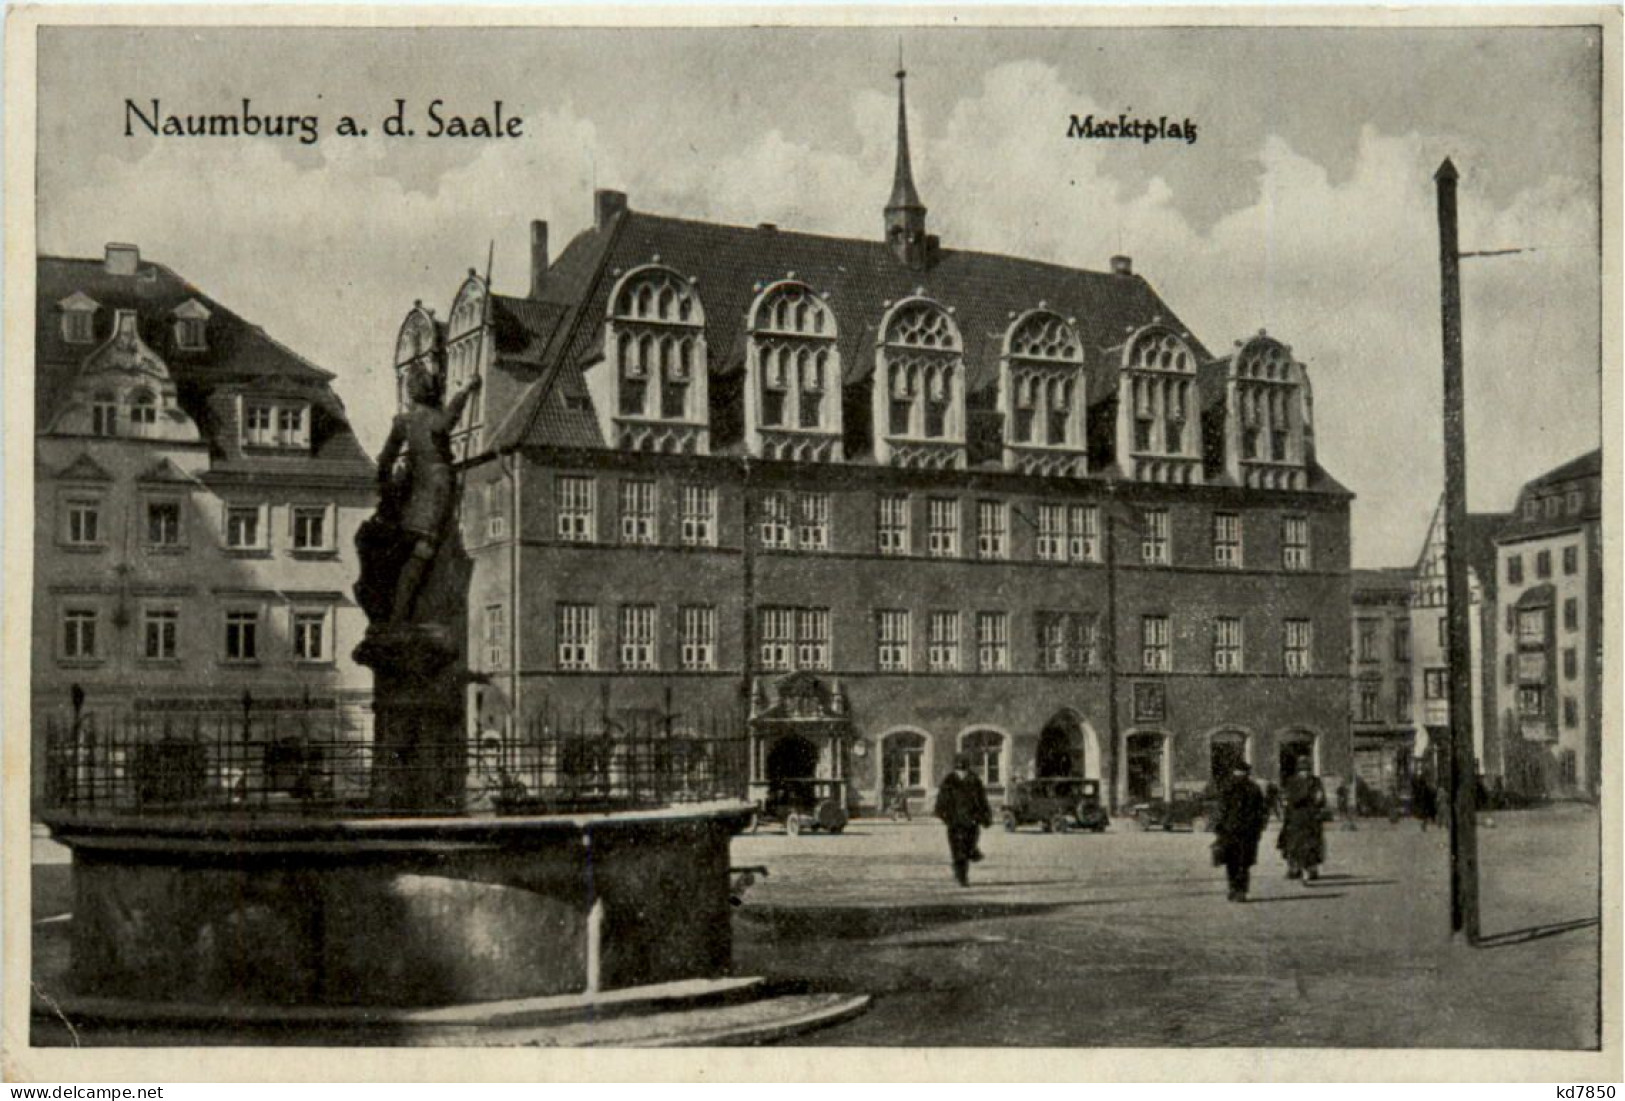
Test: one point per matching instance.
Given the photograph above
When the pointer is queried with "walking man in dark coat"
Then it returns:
(1303, 838)
(1238, 824)
(962, 806)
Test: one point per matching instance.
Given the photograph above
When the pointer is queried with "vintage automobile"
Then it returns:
(1057, 805)
(1186, 810)
(804, 804)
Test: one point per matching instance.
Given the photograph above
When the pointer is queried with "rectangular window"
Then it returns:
(79, 634)
(1154, 656)
(1532, 627)
(1299, 646)
(637, 512)
(1571, 663)
(257, 430)
(1052, 653)
(1515, 569)
(812, 638)
(1571, 711)
(1370, 703)
(78, 326)
(638, 637)
(1444, 631)
(1569, 767)
(891, 525)
(496, 637)
(496, 510)
(1571, 561)
(1083, 643)
(778, 631)
(575, 499)
(1083, 533)
(243, 527)
(776, 521)
(1571, 614)
(310, 528)
(1052, 533)
(992, 530)
(699, 516)
(1227, 645)
(1402, 700)
(1227, 540)
(1402, 640)
(163, 523)
(1366, 630)
(1154, 541)
(578, 636)
(942, 652)
(1543, 564)
(290, 426)
(189, 333)
(104, 416)
(1509, 669)
(812, 521)
(159, 630)
(892, 641)
(942, 527)
(1532, 701)
(1295, 543)
(698, 637)
(84, 522)
(242, 635)
(993, 642)
(311, 636)
(1436, 684)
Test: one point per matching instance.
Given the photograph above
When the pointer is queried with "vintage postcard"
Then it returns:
(1050, 539)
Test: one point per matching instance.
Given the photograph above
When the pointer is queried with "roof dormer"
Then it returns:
(651, 386)
(79, 318)
(793, 379)
(1159, 424)
(919, 386)
(417, 345)
(1042, 395)
(191, 326)
(1269, 415)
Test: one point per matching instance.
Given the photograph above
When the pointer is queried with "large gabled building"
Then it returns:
(888, 501)
(197, 491)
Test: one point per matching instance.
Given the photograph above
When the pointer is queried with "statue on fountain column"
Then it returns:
(398, 545)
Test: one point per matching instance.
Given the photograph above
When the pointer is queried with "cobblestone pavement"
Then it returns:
(1126, 938)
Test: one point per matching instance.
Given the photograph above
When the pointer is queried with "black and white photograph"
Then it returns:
(857, 529)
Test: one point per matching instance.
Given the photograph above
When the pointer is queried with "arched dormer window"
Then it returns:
(1159, 408)
(416, 346)
(920, 386)
(1041, 392)
(1270, 410)
(794, 385)
(654, 346)
(143, 411)
(466, 340)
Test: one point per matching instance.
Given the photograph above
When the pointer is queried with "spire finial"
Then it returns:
(903, 195)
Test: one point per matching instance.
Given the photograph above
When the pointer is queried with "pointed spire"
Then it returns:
(903, 195)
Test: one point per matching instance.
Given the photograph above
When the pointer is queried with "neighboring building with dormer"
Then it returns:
(919, 500)
(197, 491)
(1548, 696)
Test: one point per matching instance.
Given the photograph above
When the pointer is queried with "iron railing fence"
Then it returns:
(327, 762)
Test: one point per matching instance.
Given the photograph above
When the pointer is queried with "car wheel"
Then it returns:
(1059, 823)
(1010, 822)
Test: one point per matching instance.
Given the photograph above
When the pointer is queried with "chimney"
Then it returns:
(606, 205)
(538, 256)
(1122, 265)
(122, 259)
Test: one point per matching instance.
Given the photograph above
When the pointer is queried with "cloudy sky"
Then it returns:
(1305, 206)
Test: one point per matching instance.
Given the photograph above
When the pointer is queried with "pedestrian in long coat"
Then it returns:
(962, 806)
(1237, 825)
(1303, 836)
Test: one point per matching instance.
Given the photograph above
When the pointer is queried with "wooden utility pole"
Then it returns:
(1463, 764)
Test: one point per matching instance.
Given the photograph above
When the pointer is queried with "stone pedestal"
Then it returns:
(419, 757)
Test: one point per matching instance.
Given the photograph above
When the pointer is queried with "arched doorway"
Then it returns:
(792, 758)
(903, 764)
(1144, 767)
(1226, 749)
(1060, 747)
(985, 748)
(1293, 745)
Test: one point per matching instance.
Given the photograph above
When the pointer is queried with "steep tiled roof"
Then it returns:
(1583, 473)
(730, 264)
(1588, 465)
(1375, 586)
(239, 356)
